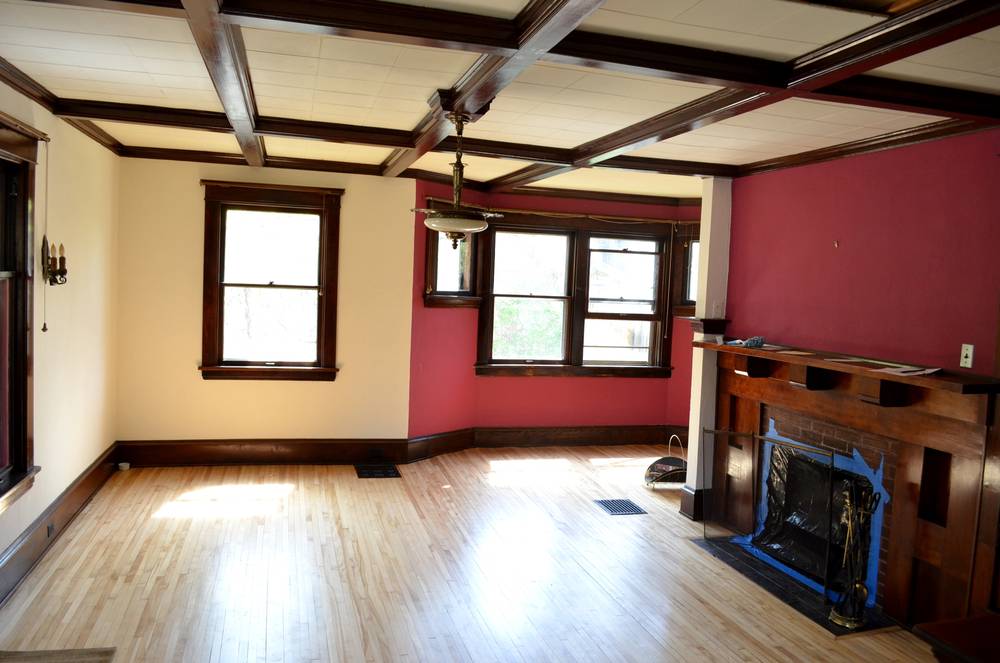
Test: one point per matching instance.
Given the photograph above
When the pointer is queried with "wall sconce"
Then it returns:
(53, 270)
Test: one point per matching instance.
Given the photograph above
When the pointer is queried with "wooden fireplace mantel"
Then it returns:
(767, 362)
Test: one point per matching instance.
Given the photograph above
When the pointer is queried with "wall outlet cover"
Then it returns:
(965, 361)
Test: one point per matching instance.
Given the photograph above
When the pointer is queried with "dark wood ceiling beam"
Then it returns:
(669, 61)
(527, 175)
(911, 97)
(901, 138)
(498, 149)
(221, 47)
(694, 115)
(382, 21)
(912, 32)
(607, 196)
(336, 133)
(138, 114)
(26, 85)
(671, 166)
(93, 131)
(169, 8)
(540, 25)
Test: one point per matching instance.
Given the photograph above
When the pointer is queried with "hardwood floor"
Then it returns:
(484, 555)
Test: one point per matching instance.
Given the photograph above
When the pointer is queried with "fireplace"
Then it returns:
(803, 422)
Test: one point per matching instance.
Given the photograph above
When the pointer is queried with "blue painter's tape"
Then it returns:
(854, 464)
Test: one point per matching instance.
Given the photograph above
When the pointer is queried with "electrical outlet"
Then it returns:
(966, 360)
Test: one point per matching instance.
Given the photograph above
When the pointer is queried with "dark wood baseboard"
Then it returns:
(693, 503)
(168, 453)
(576, 435)
(22, 555)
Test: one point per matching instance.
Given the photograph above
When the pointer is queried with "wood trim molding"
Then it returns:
(22, 555)
(138, 114)
(693, 503)
(91, 130)
(222, 49)
(26, 85)
(901, 138)
(576, 194)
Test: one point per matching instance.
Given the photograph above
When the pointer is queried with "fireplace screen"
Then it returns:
(804, 522)
(787, 504)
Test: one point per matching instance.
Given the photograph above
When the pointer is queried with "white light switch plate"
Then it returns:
(966, 359)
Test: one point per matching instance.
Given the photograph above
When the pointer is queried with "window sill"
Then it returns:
(564, 370)
(316, 373)
(26, 481)
(451, 301)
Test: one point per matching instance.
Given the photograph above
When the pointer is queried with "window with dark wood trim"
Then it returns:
(684, 275)
(18, 154)
(450, 276)
(575, 296)
(270, 284)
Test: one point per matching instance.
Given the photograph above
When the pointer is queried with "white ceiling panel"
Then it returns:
(615, 180)
(317, 149)
(787, 127)
(83, 53)
(497, 8)
(347, 81)
(563, 106)
(481, 169)
(972, 63)
(773, 29)
(144, 135)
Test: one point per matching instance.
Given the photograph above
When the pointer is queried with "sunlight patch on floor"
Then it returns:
(228, 501)
(538, 472)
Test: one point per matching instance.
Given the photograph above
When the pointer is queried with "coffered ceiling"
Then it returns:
(773, 29)
(621, 96)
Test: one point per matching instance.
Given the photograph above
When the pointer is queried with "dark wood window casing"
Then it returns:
(18, 156)
(223, 196)
(579, 231)
(680, 273)
(462, 298)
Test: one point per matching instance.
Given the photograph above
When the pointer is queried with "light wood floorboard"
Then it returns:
(483, 555)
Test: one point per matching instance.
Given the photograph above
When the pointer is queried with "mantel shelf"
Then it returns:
(960, 383)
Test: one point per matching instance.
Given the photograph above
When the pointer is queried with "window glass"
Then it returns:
(269, 324)
(622, 244)
(622, 282)
(530, 264)
(694, 249)
(529, 328)
(271, 247)
(454, 265)
(616, 341)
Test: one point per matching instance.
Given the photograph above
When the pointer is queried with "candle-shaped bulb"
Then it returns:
(52, 257)
(62, 251)
(62, 259)
(52, 250)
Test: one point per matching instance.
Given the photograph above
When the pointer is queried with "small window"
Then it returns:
(691, 272)
(451, 271)
(270, 283)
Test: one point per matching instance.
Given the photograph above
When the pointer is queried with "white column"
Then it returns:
(713, 282)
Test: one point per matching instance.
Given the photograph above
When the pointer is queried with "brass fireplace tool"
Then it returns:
(849, 611)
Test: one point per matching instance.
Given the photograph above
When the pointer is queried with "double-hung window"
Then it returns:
(575, 299)
(270, 282)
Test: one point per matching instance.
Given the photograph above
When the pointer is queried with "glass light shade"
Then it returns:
(456, 221)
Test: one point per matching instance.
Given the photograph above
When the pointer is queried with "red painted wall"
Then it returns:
(917, 271)
(445, 393)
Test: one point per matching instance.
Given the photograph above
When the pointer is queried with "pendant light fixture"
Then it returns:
(457, 222)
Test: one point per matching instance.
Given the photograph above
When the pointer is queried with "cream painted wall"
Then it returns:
(162, 394)
(74, 362)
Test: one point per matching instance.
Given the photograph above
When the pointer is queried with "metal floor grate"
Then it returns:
(377, 471)
(620, 507)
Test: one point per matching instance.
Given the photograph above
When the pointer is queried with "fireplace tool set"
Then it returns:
(849, 611)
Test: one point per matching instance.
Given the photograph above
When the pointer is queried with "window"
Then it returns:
(17, 470)
(579, 298)
(270, 282)
(686, 252)
(450, 271)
